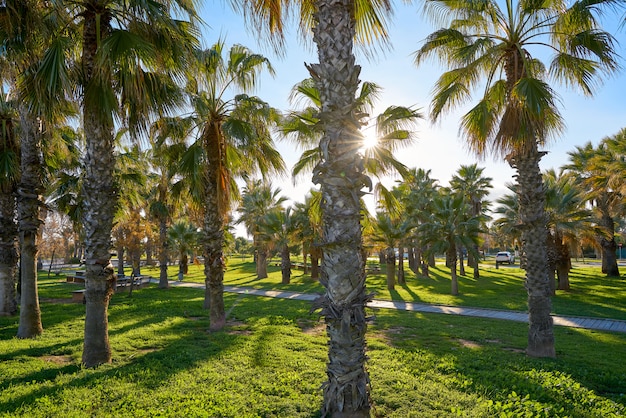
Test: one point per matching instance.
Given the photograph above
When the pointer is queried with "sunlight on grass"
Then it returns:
(271, 358)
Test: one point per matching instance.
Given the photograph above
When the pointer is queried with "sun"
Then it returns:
(369, 139)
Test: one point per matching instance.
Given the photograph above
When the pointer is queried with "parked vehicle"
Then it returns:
(505, 257)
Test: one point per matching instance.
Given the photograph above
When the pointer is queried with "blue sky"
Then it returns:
(439, 147)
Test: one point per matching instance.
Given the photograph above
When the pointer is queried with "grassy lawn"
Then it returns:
(591, 293)
(270, 359)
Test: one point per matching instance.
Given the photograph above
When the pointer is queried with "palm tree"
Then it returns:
(594, 168)
(567, 219)
(234, 139)
(469, 180)
(518, 111)
(9, 175)
(129, 53)
(388, 231)
(183, 237)
(167, 137)
(25, 32)
(417, 192)
(259, 199)
(279, 228)
(335, 25)
(449, 227)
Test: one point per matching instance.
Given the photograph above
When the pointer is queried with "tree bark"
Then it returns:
(29, 203)
(533, 224)
(99, 199)
(608, 245)
(340, 174)
(390, 267)
(261, 266)
(401, 278)
(8, 250)
(214, 222)
(451, 261)
(163, 253)
(285, 265)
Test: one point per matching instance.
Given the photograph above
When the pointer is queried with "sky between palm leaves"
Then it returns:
(439, 147)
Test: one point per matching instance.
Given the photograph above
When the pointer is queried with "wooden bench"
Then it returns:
(78, 296)
(78, 277)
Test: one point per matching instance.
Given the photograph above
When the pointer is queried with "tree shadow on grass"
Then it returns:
(172, 337)
(486, 358)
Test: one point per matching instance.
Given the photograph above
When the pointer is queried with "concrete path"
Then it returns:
(613, 325)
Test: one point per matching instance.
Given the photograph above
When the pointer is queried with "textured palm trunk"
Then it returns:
(29, 202)
(213, 241)
(608, 245)
(100, 200)
(8, 251)
(461, 263)
(340, 174)
(163, 253)
(261, 262)
(285, 265)
(551, 255)
(120, 261)
(315, 265)
(451, 261)
(401, 278)
(563, 263)
(533, 224)
(390, 268)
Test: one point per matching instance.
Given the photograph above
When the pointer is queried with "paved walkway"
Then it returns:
(613, 325)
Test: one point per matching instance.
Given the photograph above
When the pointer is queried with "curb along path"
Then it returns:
(613, 325)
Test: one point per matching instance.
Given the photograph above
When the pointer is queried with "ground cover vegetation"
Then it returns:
(269, 359)
(83, 83)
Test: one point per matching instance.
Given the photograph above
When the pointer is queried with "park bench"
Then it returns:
(77, 277)
(78, 295)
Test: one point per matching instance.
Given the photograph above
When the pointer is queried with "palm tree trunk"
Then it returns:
(285, 265)
(533, 223)
(315, 258)
(346, 392)
(608, 245)
(8, 251)
(451, 261)
(100, 200)
(214, 267)
(163, 254)
(390, 267)
(401, 278)
(29, 203)
(261, 266)
(214, 218)
(120, 261)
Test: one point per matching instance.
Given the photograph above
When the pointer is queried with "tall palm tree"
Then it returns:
(519, 110)
(595, 170)
(129, 53)
(9, 175)
(259, 199)
(183, 238)
(417, 192)
(469, 180)
(567, 220)
(234, 139)
(335, 25)
(450, 226)
(167, 138)
(387, 231)
(29, 49)
(279, 226)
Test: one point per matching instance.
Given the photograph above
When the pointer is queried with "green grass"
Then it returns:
(270, 359)
(591, 293)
